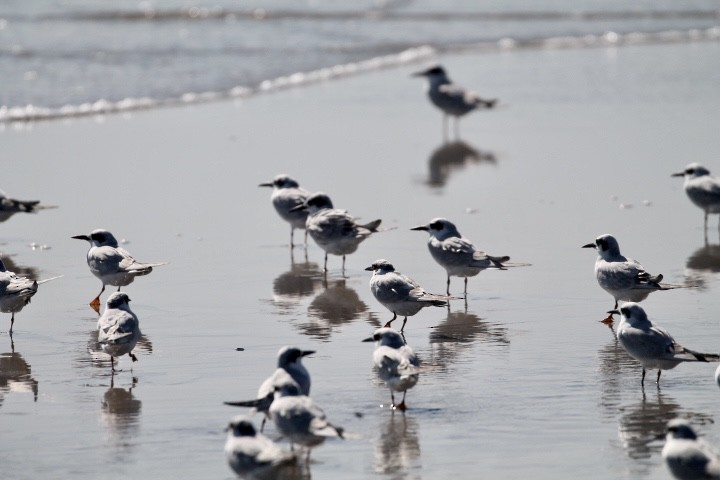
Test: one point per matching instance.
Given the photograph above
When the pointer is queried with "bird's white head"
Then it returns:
(433, 73)
(606, 245)
(281, 181)
(693, 170)
(288, 356)
(679, 428)
(99, 238)
(118, 300)
(633, 314)
(314, 203)
(241, 426)
(387, 337)
(380, 266)
(439, 228)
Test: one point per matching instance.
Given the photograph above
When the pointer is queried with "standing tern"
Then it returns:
(687, 456)
(623, 278)
(334, 230)
(702, 188)
(652, 345)
(287, 194)
(396, 363)
(456, 254)
(399, 293)
(251, 454)
(451, 98)
(16, 292)
(118, 328)
(112, 264)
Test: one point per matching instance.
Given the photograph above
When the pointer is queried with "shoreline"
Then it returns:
(410, 56)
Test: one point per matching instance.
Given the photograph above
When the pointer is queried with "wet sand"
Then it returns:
(522, 381)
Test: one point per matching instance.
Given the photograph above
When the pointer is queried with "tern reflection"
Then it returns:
(642, 426)
(458, 332)
(302, 280)
(616, 367)
(98, 358)
(702, 265)
(454, 156)
(397, 449)
(11, 206)
(120, 414)
(21, 271)
(336, 305)
(15, 376)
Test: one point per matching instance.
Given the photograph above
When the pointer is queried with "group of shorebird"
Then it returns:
(118, 327)
(284, 396)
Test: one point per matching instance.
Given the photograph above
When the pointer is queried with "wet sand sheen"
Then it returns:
(523, 381)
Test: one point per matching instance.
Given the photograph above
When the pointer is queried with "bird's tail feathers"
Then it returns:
(671, 286)
(516, 264)
(499, 261)
(372, 226)
(489, 103)
(146, 268)
(28, 206)
(39, 282)
(703, 357)
(156, 264)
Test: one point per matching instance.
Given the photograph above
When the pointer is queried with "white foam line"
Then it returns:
(30, 113)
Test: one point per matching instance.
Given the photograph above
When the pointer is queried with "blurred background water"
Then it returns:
(74, 57)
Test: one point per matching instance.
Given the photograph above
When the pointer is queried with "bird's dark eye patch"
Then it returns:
(436, 225)
(244, 429)
(625, 312)
(602, 244)
(98, 237)
(690, 171)
(435, 70)
(316, 202)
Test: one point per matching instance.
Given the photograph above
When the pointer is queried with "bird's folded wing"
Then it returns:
(458, 245)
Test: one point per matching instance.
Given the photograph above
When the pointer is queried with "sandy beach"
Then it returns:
(522, 381)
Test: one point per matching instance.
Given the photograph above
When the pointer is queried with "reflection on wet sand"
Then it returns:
(458, 332)
(21, 271)
(336, 305)
(702, 265)
(642, 426)
(302, 280)
(11, 206)
(616, 365)
(15, 376)
(99, 359)
(397, 448)
(120, 414)
(454, 156)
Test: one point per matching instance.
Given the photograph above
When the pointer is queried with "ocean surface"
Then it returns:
(62, 58)
(520, 381)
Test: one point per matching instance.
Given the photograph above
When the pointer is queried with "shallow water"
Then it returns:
(77, 57)
(524, 380)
